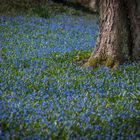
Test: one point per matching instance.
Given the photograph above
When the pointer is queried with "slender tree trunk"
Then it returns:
(114, 42)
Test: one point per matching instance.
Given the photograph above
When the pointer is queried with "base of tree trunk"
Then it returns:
(119, 39)
(102, 60)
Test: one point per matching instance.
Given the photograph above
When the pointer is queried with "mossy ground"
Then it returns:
(101, 60)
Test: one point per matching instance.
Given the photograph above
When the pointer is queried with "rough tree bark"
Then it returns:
(119, 39)
(134, 17)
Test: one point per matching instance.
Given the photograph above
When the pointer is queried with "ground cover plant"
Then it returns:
(46, 94)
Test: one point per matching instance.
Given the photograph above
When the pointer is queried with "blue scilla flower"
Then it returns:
(0, 91)
(63, 92)
(97, 126)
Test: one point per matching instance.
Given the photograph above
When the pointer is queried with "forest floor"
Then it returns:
(45, 93)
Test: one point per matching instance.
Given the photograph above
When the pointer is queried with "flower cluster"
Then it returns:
(45, 95)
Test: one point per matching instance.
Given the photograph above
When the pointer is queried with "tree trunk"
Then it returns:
(134, 17)
(118, 29)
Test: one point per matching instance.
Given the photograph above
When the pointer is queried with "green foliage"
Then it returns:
(43, 9)
(82, 56)
(3, 53)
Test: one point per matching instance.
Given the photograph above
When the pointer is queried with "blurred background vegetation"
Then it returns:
(44, 8)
